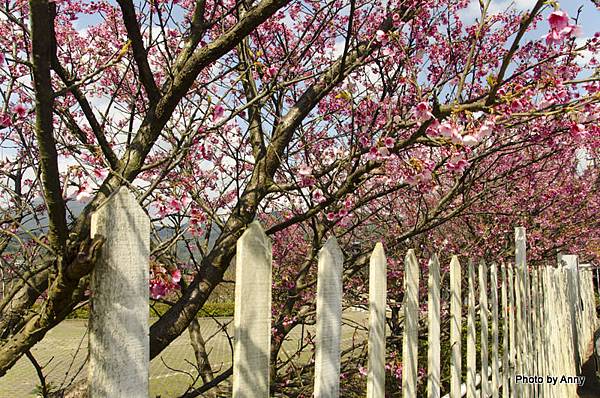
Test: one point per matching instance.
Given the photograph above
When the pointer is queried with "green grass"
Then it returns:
(158, 309)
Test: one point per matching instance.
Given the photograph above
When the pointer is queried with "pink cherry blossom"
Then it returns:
(305, 170)
(83, 192)
(423, 111)
(100, 173)
(382, 37)
(558, 20)
(175, 204)
(5, 120)
(485, 130)
(271, 72)
(175, 275)
(560, 28)
(470, 140)
(218, 112)
(389, 142)
(185, 200)
(20, 110)
(578, 131)
(158, 289)
(318, 196)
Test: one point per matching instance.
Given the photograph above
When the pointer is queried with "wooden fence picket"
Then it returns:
(512, 344)
(535, 331)
(329, 320)
(411, 325)
(494, 304)
(522, 308)
(484, 317)
(377, 304)
(471, 332)
(455, 328)
(433, 337)
(505, 351)
(571, 268)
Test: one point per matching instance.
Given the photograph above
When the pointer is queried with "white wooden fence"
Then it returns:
(547, 316)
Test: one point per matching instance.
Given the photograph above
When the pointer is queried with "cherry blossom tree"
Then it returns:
(411, 122)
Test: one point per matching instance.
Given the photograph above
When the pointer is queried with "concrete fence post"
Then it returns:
(252, 314)
(118, 327)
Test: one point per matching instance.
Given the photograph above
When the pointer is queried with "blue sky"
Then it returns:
(589, 17)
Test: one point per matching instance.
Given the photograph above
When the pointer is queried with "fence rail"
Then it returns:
(547, 316)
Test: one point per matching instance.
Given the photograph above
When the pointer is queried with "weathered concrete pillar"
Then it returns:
(252, 314)
(118, 327)
(377, 305)
(329, 320)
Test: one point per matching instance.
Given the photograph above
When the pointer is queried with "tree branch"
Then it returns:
(139, 51)
(42, 38)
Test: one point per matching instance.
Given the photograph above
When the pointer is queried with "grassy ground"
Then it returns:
(64, 350)
(157, 309)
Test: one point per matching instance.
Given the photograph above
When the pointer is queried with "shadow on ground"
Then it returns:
(591, 387)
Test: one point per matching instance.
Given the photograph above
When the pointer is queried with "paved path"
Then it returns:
(65, 348)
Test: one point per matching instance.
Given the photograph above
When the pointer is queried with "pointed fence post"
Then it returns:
(471, 333)
(377, 305)
(118, 327)
(533, 353)
(505, 346)
(329, 320)
(548, 334)
(484, 317)
(522, 308)
(411, 325)
(252, 314)
(495, 359)
(433, 337)
(455, 327)
(512, 344)
(573, 295)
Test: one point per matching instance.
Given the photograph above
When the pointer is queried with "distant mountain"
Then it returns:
(38, 224)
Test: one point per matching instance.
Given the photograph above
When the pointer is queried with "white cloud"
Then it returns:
(473, 11)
